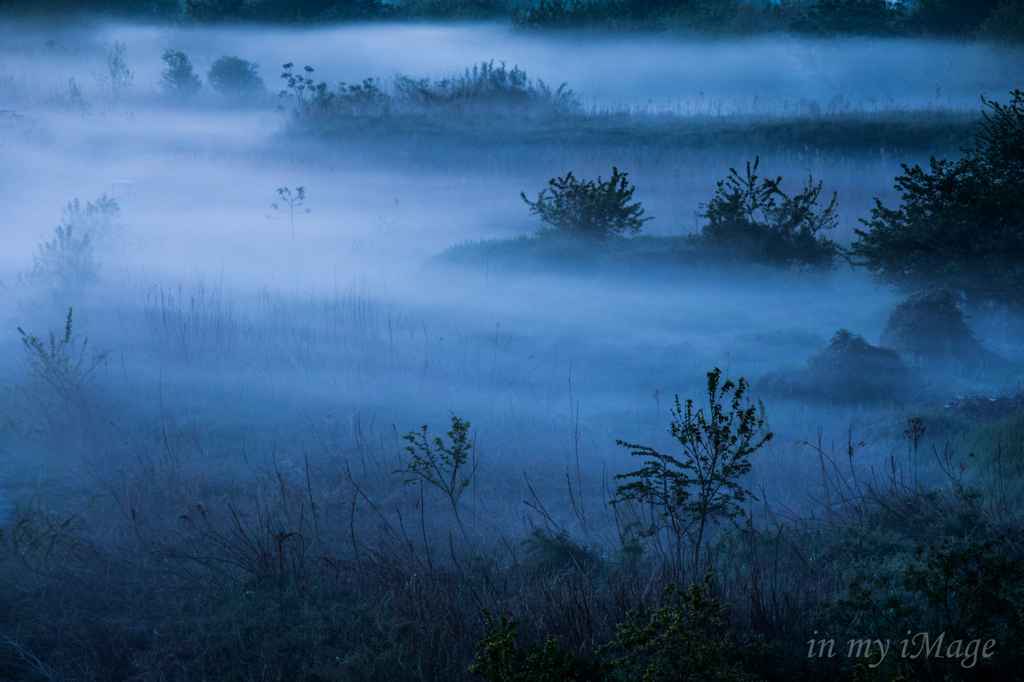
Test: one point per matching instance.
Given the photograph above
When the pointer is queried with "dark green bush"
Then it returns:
(752, 219)
(958, 225)
(930, 325)
(589, 210)
(236, 78)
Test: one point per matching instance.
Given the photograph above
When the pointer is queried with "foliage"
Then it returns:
(964, 590)
(97, 220)
(958, 224)
(589, 210)
(1005, 24)
(318, 99)
(485, 84)
(236, 78)
(953, 18)
(930, 324)
(679, 642)
(448, 468)
(753, 219)
(502, 659)
(850, 368)
(64, 268)
(689, 494)
(850, 17)
(178, 80)
(57, 373)
(118, 77)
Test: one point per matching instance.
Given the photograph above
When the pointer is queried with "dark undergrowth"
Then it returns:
(130, 554)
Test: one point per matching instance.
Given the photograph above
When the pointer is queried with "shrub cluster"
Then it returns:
(958, 224)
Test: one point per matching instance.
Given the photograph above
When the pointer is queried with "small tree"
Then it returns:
(958, 224)
(751, 218)
(446, 467)
(688, 494)
(592, 210)
(179, 80)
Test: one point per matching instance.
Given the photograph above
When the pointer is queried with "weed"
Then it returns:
(289, 204)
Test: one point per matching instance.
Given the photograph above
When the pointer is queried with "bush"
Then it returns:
(930, 325)
(849, 369)
(179, 80)
(589, 210)
(958, 225)
(752, 219)
(236, 78)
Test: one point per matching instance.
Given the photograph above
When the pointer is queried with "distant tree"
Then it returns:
(179, 80)
(236, 78)
(591, 210)
(959, 224)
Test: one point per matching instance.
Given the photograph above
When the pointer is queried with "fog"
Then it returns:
(232, 327)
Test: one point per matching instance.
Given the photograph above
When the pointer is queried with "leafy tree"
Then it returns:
(237, 78)
(751, 218)
(591, 210)
(179, 80)
(690, 493)
(959, 224)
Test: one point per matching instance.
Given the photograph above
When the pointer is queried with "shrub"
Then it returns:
(958, 224)
(930, 325)
(236, 78)
(486, 86)
(690, 493)
(64, 268)
(849, 369)
(752, 219)
(589, 210)
(179, 80)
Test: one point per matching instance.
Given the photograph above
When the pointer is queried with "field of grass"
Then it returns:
(220, 462)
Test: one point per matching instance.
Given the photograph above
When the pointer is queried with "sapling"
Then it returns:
(446, 467)
(689, 493)
(289, 204)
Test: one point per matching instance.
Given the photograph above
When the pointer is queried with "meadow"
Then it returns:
(225, 370)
